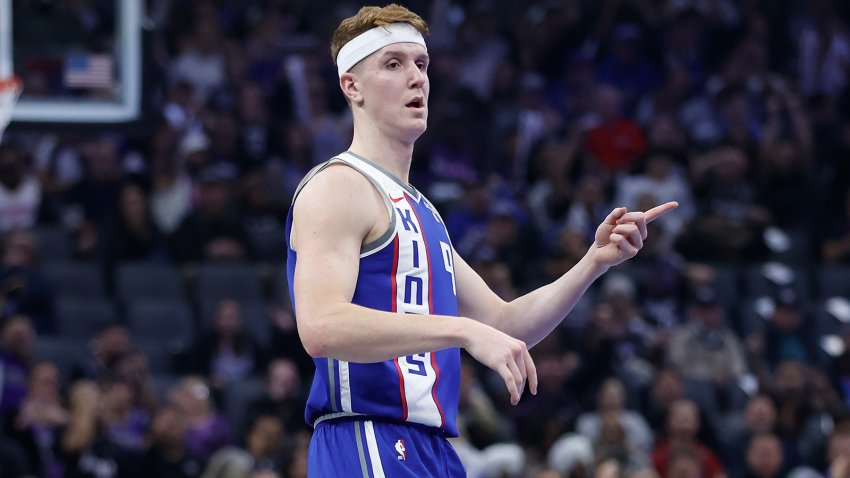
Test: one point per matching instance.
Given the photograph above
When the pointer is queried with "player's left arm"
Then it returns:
(532, 317)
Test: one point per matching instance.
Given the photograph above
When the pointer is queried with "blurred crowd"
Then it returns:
(146, 326)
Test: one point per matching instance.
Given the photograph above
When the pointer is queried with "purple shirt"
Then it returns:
(130, 435)
(13, 382)
(205, 439)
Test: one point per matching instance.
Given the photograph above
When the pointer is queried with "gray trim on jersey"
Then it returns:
(316, 170)
(331, 416)
(410, 189)
(358, 432)
(380, 242)
(332, 383)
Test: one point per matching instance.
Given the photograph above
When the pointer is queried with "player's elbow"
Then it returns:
(314, 338)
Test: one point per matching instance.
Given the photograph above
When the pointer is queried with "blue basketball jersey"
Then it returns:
(409, 270)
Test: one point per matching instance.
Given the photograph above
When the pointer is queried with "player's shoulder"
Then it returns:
(335, 180)
(336, 188)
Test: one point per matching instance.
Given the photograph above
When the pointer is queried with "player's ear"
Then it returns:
(351, 88)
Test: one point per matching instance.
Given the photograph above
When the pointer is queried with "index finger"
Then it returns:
(659, 211)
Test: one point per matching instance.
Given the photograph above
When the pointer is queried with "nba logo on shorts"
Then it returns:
(399, 448)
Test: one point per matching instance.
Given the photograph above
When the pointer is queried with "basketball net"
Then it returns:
(10, 89)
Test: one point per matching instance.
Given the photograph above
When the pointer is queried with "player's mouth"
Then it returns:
(416, 103)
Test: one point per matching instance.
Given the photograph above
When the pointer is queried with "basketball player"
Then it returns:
(383, 301)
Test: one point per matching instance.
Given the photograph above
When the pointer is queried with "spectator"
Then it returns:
(167, 456)
(254, 135)
(96, 195)
(670, 100)
(264, 442)
(683, 424)
(611, 405)
(206, 430)
(471, 212)
(23, 288)
(764, 457)
(730, 217)
(263, 210)
(572, 93)
(627, 68)
(758, 418)
(105, 352)
(132, 235)
(785, 185)
(17, 339)
(665, 390)
(535, 119)
(261, 453)
(134, 368)
(20, 191)
(213, 231)
(40, 420)
(84, 447)
(784, 337)
(283, 397)
(615, 142)
(125, 424)
(607, 346)
(171, 182)
(551, 195)
(201, 60)
(613, 443)
(227, 353)
(705, 349)
(505, 238)
(663, 181)
(798, 412)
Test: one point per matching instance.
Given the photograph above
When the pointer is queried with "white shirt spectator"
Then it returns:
(19, 206)
(204, 72)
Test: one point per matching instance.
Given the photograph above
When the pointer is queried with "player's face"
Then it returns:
(395, 87)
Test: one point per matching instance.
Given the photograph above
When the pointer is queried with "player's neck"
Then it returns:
(392, 155)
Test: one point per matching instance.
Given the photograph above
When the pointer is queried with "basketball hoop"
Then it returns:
(10, 89)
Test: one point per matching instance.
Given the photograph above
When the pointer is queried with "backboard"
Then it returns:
(80, 60)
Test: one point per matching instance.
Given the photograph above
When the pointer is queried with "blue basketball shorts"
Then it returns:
(375, 449)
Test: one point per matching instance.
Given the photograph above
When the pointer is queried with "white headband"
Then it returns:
(373, 40)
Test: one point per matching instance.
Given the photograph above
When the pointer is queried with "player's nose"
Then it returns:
(417, 77)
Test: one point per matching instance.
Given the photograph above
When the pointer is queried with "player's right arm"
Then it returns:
(333, 215)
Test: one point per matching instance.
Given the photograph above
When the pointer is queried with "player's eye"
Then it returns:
(422, 65)
(393, 65)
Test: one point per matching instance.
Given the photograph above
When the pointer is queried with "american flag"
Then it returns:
(88, 71)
